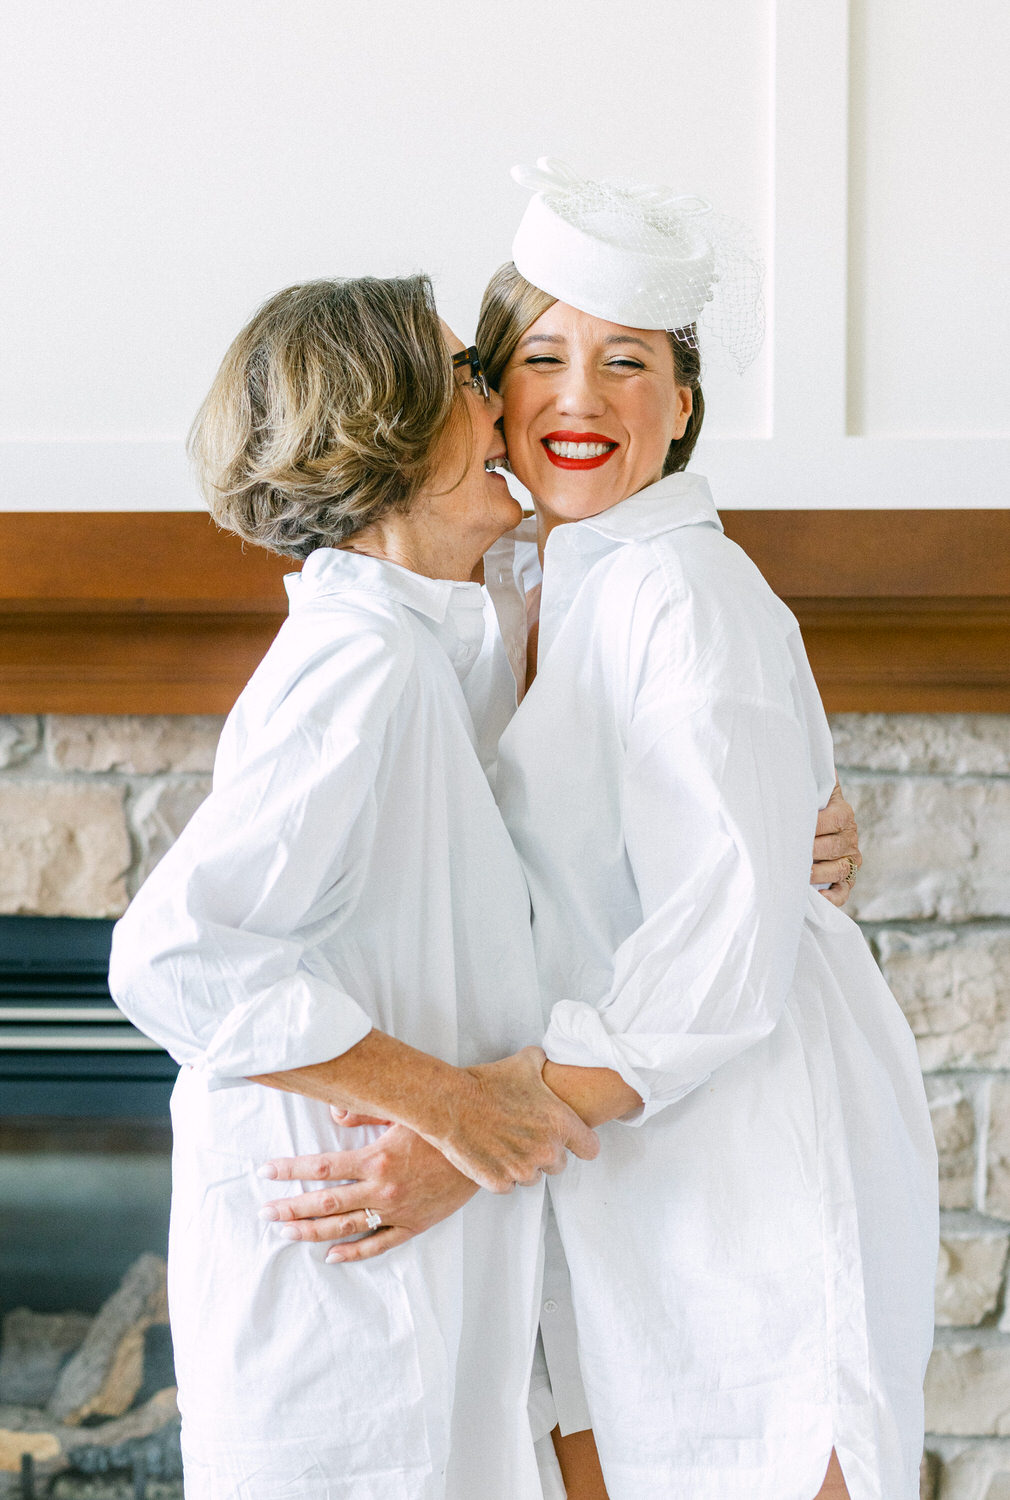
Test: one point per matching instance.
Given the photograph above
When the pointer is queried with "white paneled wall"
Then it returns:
(167, 167)
(930, 219)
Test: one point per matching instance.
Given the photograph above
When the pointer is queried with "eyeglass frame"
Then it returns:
(478, 380)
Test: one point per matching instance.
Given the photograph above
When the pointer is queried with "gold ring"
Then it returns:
(853, 867)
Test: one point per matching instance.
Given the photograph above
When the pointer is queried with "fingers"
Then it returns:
(838, 814)
(334, 1227)
(834, 871)
(490, 1176)
(837, 845)
(320, 1205)
(583, 1142)
(329, 1166)
(349, 1120)
(367, 1249)
(837, 894)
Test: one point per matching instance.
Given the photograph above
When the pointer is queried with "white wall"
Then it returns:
(169, 166)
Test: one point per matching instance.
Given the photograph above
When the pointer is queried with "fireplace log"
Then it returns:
(104, 1376)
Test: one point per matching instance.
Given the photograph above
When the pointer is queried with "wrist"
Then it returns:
(597, 1095)
(435, 1110)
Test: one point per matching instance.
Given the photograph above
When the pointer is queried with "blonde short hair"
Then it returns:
(511, 304)
(326, 412)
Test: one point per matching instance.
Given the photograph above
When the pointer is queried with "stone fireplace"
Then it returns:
(89, 803)
(123, 640)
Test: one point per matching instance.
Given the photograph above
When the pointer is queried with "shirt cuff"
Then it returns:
(577, 1037)
(295, 1023)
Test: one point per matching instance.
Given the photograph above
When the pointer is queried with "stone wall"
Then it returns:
(932, 796)
(87, 805)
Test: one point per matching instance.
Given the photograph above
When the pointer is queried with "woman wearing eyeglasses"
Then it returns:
(345, 920)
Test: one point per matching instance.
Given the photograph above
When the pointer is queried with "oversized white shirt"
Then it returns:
(349, 870)
(752, 1254)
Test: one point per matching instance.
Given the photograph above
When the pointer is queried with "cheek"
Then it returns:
(519, 412)
(654, 425)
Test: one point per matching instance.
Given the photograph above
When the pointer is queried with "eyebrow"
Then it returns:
(612, 338)
(626, 338)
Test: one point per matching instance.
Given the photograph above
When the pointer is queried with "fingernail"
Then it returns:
(269, 1213)
(333, 1256)
(267, 1170)
(291, 1233)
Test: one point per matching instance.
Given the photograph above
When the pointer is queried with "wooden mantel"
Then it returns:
(159, 612)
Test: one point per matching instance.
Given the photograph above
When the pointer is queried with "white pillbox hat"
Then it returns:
(640, 256)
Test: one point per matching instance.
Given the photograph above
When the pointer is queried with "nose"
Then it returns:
(579, 393)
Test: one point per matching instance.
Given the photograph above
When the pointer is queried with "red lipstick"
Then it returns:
(578, 437)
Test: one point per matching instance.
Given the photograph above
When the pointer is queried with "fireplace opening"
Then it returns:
(84, 1130)
(86, 1375)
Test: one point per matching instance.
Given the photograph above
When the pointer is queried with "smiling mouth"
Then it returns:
(578, 450)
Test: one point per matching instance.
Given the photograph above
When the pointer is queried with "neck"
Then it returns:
(421, 553)
(547, 519)
(546, 522)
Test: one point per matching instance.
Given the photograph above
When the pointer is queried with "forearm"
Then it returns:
(385, 1077)
(497, 1123)
(595, 1094)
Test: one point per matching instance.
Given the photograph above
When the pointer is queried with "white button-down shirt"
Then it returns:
(349, 870)
(752, 1254)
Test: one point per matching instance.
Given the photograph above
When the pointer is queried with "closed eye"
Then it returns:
(611, 364)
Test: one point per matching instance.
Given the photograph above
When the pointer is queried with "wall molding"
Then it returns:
(159, 612)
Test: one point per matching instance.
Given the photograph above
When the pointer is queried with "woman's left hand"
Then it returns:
(400, 1177)
(836, 849)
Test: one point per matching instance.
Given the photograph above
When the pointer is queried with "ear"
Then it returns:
(683, 408)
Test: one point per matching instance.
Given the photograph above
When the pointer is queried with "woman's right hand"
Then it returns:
(505, 1126)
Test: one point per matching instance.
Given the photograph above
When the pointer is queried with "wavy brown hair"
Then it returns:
(511, 304)
(326, 413)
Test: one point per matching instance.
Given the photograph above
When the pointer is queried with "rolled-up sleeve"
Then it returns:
(217, 959)
(719, 808)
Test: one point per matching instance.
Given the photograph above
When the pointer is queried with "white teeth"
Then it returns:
(492, 465)
(579, 450)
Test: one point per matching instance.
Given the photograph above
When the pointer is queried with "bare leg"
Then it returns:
(580, 1465)
(833, 1487)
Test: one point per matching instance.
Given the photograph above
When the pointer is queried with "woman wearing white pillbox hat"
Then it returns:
(751, 1258)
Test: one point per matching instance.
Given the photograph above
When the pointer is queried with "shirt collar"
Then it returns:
(331, 571)
(675, 500)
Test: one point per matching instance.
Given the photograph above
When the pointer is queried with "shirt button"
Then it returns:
(550, 1305)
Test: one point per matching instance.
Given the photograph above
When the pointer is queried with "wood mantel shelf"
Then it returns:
(902, 611)
(159, 612)
(143, 612)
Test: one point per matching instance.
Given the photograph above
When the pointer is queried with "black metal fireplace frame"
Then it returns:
(65, 1048)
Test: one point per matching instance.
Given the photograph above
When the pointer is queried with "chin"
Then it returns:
(580, 505)
(511, 513)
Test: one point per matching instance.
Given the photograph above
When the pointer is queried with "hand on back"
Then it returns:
(836, 849)
(504, 1129)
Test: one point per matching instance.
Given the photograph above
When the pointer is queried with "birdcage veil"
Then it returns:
(642, 256)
